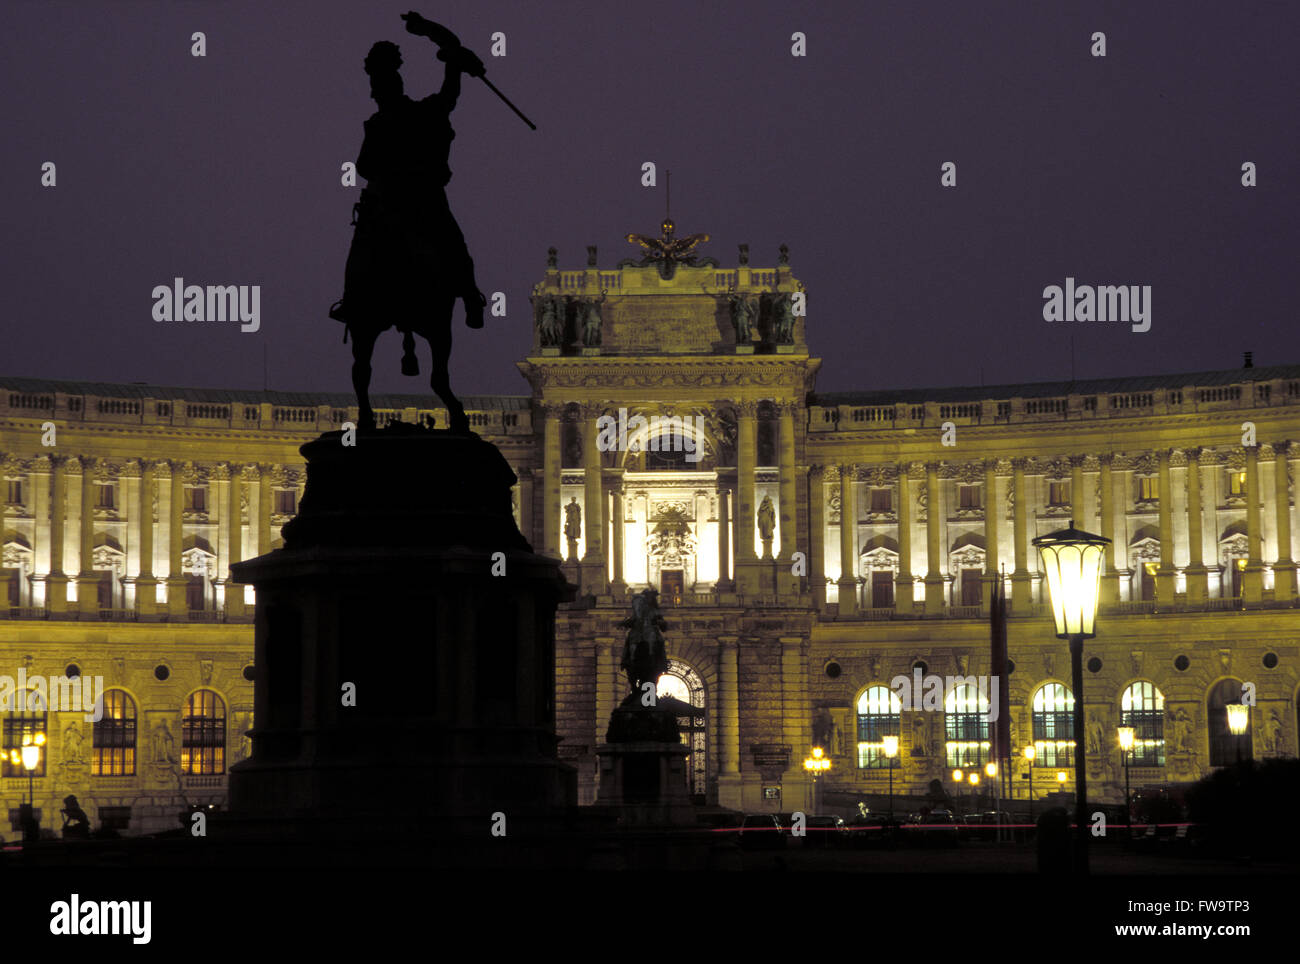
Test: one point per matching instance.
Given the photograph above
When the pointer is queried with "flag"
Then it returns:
(1000, 737)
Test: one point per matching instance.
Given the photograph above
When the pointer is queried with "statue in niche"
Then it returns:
(783, 323)
(74, 746)
(591, 321)
(573, 525)
(824, 730)
(164, 745)
(766, 524)
(1272, 734)
(549, 324)
(742, 318)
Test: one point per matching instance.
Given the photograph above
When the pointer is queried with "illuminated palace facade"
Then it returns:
(807, 548)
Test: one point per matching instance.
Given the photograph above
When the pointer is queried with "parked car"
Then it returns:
(873, 830)
(825, 830)
(938, 828)
(761, 831)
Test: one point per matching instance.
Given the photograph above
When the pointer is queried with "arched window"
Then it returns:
(1053, 726)
(203, 734)
(113, 737)
(878, 717)
(27, 719)
(1143, 708)
(966, 726)
(681, 683)
(1226, 749)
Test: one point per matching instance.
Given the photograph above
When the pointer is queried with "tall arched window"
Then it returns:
(26, 719)
(1143, 708)
(966, 726)
(113, 737)
(1053, 726)
(878, 717)
(1226, 749)
(203, 734)
(682, 683)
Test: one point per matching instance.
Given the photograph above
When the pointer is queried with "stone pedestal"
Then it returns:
(405, 650)
(643, 767)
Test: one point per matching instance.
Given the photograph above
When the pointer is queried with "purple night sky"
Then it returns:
(225, 170)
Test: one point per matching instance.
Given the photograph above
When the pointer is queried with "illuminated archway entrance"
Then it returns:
(682, 689)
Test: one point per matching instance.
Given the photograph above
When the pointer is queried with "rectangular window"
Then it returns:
(196, 498)
(1058, 493)
(105, 495)
(968, 496)
(14, 492)
(1148, 488)
(194, 594)
(1236, 483)
(882, 590)
(113, 738)
(286, 501)
(18, 725)
(970, 587)
(1148, 585)
(882, 500)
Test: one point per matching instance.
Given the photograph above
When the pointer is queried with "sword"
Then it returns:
(493, 87)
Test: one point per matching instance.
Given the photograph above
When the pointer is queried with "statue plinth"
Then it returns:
(404, 648)
(643, 767)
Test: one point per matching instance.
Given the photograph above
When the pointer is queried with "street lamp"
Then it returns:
(974, 778)
(30, 758)
(1072, 561)
(891, 751)
(1238, 723)
(1126, 746)
(1030, 752)
(817, 764)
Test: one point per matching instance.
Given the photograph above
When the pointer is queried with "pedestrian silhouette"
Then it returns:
(409, 263)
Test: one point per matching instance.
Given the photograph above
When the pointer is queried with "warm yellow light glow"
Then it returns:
(974, 778)
(31, 756)
(1030, 753)
(1060, 776)
(991, 769)
(1072, 561)
(1126, 738)
(1150, 568)
(956, 776)
(1241, 564)
(1238, 718)
(40, 739)
(818, 762)
(890, 746)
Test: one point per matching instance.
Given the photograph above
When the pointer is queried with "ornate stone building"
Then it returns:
(808, 549)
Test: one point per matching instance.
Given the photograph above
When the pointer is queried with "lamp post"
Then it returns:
(817, 764)
(974, 778)
(1126, 747)
(1030, 752)
(1072, 562)
(30, 758)
(891, 751)
(1238, 723)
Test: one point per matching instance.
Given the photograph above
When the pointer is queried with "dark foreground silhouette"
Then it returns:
(409, 263)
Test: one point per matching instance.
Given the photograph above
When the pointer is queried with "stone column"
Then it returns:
(796, 789)
(746, 455)
(177, 604)
(146, 593)
(848, 543)
(526, 506)
(934, 583)
(1110, 577)
(789, 500)
(39, 478)
(234, 543)
(1284, 573)
(56, 592)
(1166, 572)
(1078, 506)
(905, 582)
(1020, 579)
(87, 579)
(725, 582)
(729, 780)
(617, 586)
(1198, 585)
(593, 563)
(817, 536)
(264, 508)
(607, 693)
(1252, 579)
(991, 560)
(551, 483)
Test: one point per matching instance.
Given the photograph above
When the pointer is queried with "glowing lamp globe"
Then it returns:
(1238, 718)
(1072, 561)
